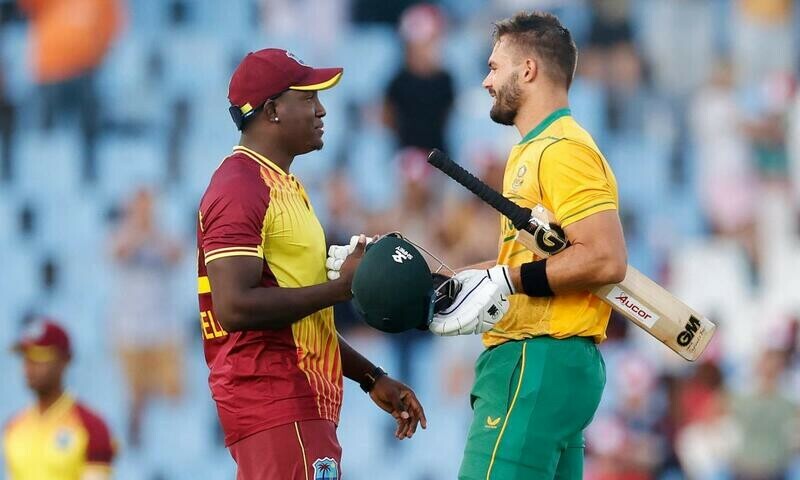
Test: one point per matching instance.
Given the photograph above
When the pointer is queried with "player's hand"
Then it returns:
(337, 254)
(349, 266)
(498, 275)
(476, 309)
(400, 401)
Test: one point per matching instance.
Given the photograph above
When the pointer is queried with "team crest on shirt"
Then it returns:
(64, 439)
(520, 177)
(325, 469)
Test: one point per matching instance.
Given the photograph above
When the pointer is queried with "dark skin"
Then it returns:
(45, 379)
(284, 128)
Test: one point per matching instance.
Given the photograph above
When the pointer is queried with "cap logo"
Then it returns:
(296, 59)
(401, 254)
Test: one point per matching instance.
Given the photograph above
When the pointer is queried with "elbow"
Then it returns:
(613, 270)
(229, 320)
(617, 272)
(229, 316)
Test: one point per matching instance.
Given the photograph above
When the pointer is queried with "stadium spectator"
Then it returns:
(421, 94)
(69, 39)
(767, 421)
(757, 23)
(57, 438)
(7, 125)
(727, 182)
(144, 324)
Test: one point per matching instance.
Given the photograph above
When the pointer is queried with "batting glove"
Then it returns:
(476, 309)
(337, 254)
(498, 275)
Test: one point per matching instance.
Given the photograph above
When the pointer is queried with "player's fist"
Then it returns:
(476, 309)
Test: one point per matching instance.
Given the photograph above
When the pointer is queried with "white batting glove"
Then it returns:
(476, 309)
(498, 275)
(337, 254)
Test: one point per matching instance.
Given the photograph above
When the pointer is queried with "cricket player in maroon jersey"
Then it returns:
(276, 361)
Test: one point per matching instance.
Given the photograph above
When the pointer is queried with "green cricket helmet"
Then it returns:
(394, 289)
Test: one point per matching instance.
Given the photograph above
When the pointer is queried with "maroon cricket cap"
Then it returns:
(269, 72)
(42, 340)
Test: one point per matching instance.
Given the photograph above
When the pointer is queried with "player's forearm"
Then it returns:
(354, 365)
(272, 308)
(580, 268)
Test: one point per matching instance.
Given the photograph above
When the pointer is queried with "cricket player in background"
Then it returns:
(540, 379)
(58, 437)
(275, 358)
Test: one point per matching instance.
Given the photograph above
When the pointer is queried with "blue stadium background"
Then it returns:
(162, 93)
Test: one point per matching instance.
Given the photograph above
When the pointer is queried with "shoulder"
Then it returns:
(238, 178)
(100, 448)
(91, 420)
(236, 173)
(15, 420)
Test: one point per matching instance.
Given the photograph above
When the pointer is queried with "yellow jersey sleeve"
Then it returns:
(576, 181)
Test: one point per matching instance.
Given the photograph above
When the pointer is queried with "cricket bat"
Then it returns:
(638, 298)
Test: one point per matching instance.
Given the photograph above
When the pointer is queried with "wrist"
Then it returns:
(343, 290)
(370, 378)
(533, 277)
(500, 276)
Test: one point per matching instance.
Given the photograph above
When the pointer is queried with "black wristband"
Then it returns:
(368, 382)
(534, 279)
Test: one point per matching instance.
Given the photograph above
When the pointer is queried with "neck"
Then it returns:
(537, 108)
(269, 148)
(47, 398)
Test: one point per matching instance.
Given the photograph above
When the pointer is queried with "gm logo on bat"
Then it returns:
(689, 331)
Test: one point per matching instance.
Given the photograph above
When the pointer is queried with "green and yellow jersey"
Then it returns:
(559, 166)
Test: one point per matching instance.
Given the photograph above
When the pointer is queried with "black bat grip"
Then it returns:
(519, 216)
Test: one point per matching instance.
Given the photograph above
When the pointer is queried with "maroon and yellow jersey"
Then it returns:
(263, 379)
(65, 442)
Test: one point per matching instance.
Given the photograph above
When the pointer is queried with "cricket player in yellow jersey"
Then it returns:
(539, 382)
(58, 437)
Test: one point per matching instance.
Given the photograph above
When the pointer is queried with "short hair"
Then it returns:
(542, 34)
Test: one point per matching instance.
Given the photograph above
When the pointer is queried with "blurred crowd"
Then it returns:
(113, 116)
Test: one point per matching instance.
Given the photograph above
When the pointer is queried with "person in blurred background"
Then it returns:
(144, 323)
(8, 119)
(542, 356)
(420, 96)
(57, 438)
(69, 40)
(275, 358)
(767, 420)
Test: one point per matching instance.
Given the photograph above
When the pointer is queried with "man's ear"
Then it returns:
(530, 70)
(271, 111)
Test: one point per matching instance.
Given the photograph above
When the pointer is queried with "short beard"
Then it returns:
(506, 105)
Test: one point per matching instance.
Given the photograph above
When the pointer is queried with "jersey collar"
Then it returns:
(57, 409)
(561, 112)
(260, 159)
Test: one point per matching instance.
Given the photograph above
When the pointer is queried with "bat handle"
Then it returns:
(519, 216)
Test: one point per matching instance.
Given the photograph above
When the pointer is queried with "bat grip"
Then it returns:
(519, 216)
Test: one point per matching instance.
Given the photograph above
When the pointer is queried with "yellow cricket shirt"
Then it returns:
(557, 165)
(65, 442)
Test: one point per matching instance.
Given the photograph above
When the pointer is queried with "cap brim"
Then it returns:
(320, 79)
(37, 353)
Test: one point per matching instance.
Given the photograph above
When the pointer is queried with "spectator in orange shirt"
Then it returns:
(57, 438)
(69, 39)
